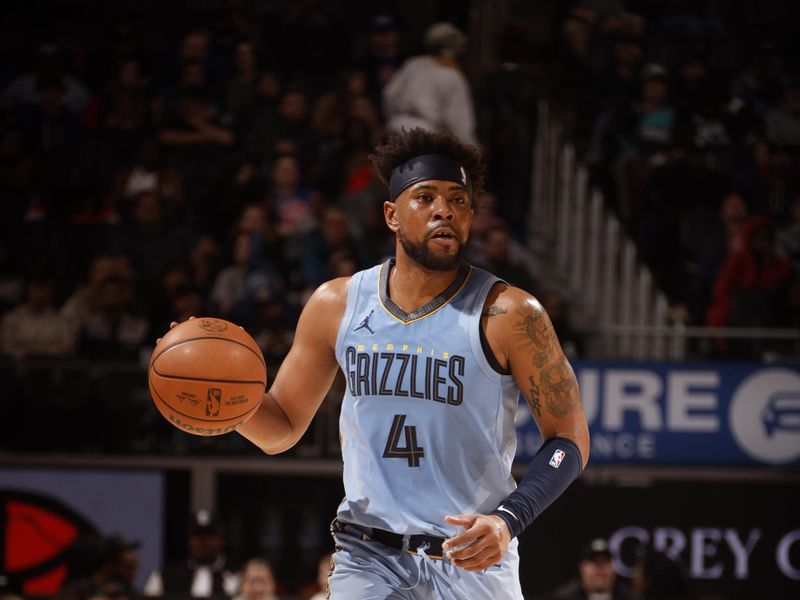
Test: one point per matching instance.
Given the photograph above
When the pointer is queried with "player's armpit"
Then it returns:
(305, 375)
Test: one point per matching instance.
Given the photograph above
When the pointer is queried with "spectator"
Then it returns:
(558, 309)
(783, 122)
(496, 256)
(332, 239)
(597, 578)
(508, 99)
(306, 36)
(611, 90)
(323, 571)
(384, 56)
(776, 180)
(35, 328)
(240, 92)
(655, 118)
(258, 581)
(205, 258)
(290, 199)
(343, 168)
(150, 239)
(282, 131)
(177, 275)
(101, 568)
(187, 301)
(204, 573)
(48, 66)
(760, 87)
(250, 279)
(48, 123)
(589, 21)
(789, 236)
(149, 173)
(124, 105)
(17, 173)
(52, 131)
(334, 108)
(722, 238)
(196, 48)
(430, 91)
(657, 577)
(271, 321)
(195, 125)
(751, 285)
(11, 284)
(638, 135)
(104, 315)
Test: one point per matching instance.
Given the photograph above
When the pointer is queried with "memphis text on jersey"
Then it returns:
(405, 371)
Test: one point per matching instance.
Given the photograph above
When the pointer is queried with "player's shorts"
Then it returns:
(364, 569)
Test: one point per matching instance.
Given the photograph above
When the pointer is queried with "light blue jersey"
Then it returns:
(427, 424)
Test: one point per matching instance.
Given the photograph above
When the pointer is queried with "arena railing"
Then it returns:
(590, 256)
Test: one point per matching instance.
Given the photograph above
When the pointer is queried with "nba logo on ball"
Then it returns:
(556, 459)
(213, 402)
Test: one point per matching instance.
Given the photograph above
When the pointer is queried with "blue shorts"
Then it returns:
(363, 569)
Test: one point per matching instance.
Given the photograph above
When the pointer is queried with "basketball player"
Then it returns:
(435, 353)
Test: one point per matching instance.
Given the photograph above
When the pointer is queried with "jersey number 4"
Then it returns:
(411, 451)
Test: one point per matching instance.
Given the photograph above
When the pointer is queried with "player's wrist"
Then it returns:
(501, 527)
(510, 521)
(557, 464)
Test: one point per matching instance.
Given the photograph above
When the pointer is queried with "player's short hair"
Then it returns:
(402, 147)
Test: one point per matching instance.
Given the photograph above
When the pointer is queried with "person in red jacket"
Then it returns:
(751, 288)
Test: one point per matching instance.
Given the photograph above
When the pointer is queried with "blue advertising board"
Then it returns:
(684, 413)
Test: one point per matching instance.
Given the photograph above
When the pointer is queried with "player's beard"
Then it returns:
(424, 257)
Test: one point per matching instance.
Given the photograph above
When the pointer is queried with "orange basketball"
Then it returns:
(207, 376)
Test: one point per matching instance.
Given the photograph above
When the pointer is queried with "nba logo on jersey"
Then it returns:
(556, 459)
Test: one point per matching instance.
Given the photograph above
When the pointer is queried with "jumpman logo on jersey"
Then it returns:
(365, 323)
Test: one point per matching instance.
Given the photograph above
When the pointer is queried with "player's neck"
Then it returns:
(412, 286)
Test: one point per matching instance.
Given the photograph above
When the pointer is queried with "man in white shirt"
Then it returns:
(430, 91)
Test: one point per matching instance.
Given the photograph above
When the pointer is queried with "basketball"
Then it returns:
(207, 376)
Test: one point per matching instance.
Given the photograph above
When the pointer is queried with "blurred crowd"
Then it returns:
(689, 117)
(219, 169)
(105, 568)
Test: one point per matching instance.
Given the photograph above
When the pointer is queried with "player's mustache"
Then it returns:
(434, 230)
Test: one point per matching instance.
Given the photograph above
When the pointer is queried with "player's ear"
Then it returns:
(390, 214)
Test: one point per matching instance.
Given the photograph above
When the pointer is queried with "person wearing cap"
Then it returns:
(597, 579)
(48, 66)
(435, 353)
(383, 55)
(430, 91)
(204, 573)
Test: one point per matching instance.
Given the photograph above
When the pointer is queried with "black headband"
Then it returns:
(424, 168)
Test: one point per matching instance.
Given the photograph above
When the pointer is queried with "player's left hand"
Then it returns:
(483, 542)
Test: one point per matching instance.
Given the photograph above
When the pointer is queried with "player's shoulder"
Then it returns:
(507, 300)
(331, 294)
(323, 312)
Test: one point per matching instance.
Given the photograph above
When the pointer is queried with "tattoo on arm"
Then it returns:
(494, 310)
(560, 389)
(534, 402)
(534, 331)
